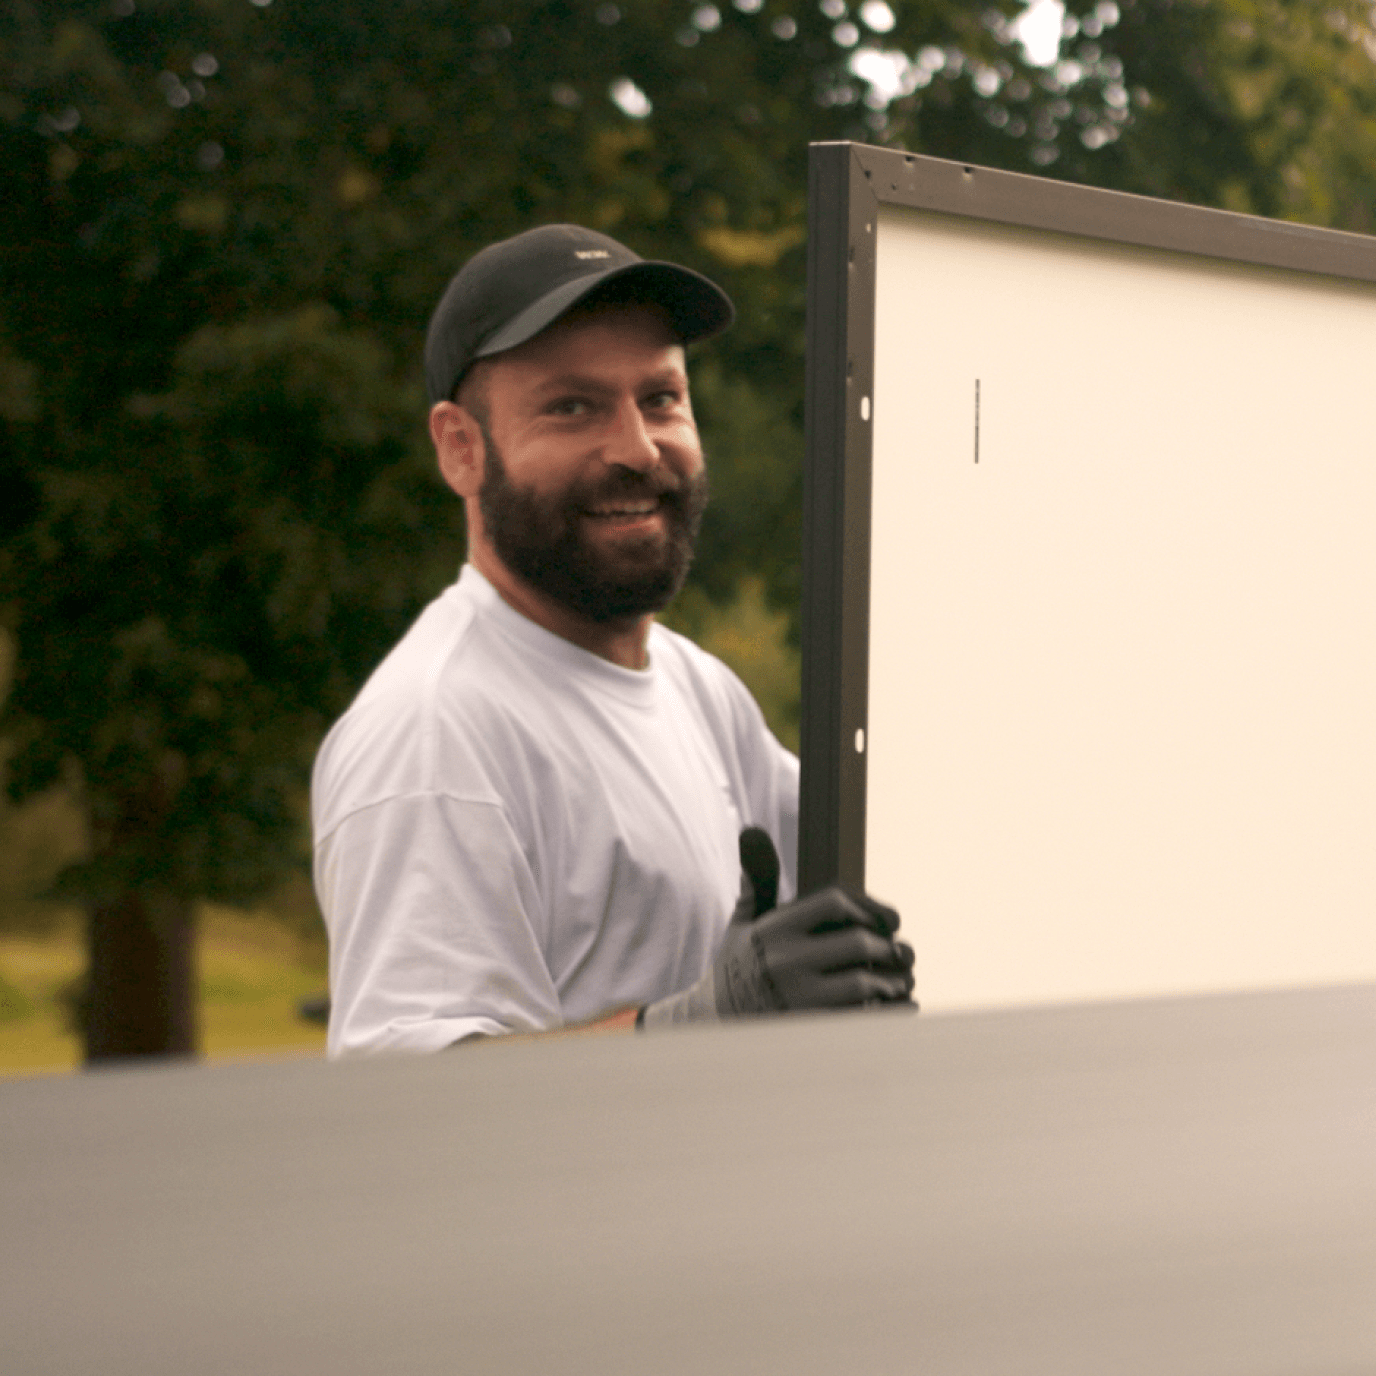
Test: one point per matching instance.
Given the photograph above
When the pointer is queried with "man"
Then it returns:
(531, 817)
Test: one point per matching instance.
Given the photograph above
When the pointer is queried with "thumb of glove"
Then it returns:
(737, 981)
(760, 861)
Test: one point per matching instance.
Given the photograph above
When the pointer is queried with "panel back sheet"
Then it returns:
(1122, 713)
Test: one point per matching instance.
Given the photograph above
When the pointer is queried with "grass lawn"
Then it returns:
(253, 972)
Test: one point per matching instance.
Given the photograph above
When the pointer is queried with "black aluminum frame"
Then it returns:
(847, 184)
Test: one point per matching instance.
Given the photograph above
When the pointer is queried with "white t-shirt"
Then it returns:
(512, 833)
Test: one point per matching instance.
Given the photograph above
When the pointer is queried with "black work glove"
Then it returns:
(832, 949)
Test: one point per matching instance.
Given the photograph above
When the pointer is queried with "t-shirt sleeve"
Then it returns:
(429, 902)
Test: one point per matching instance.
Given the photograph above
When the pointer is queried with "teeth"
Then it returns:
(641, 509)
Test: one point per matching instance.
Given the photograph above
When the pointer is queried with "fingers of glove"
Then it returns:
(798, 972)
(881, 912)
(827, 951)
(906, 960)
(830, 910)
(851, 988)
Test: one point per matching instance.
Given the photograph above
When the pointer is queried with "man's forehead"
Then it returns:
(584, 339)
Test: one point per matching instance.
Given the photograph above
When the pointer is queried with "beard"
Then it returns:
(542, 539)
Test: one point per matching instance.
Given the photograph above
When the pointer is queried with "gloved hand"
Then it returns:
(832, 949)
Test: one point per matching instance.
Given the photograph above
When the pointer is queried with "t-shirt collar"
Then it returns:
(634, 685)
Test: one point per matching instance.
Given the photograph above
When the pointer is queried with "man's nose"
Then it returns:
(629, 443)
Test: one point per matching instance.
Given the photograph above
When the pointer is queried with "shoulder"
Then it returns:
(713, 687)
(435, 697)
(687, 662)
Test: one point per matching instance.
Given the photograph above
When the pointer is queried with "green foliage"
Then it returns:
(224, 225)
(1262, 106)
(15, 1005)
(209, 574)
(227, 225)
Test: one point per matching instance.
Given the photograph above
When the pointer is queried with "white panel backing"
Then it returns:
(1122, 716)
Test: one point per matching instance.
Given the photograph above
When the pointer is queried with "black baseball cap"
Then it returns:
(511, 290)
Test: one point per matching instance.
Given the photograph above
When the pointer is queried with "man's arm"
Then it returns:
(425, 952)
(623, 1020)
(832, 949)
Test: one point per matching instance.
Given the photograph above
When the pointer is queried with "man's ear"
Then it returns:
(458, 441)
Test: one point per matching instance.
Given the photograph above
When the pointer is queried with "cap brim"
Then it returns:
(696, 306)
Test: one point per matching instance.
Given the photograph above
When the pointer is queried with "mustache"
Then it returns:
(632, 485)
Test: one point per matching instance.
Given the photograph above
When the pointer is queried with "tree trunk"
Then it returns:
(139, 998)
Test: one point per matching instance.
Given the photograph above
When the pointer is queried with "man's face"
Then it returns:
(593, 483)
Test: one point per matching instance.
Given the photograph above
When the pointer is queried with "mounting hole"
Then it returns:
(860, 741)
(864, 408)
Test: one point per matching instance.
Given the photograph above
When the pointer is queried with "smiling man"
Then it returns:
(536, 812)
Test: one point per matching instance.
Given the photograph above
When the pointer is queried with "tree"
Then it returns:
(1266, 107)
(225, 222)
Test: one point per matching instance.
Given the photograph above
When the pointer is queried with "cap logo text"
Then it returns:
(591, 253)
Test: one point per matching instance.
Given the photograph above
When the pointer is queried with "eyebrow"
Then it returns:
(670, 377)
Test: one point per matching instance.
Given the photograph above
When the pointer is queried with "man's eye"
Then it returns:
(569, 406)
(660, 401)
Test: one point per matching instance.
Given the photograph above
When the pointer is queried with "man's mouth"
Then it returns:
(623, 510)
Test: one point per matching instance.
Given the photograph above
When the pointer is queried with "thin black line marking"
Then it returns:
(977, 420)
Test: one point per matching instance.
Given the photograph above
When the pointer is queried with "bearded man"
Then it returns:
(535, 813)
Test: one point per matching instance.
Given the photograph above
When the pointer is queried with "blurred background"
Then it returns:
(222, 229)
